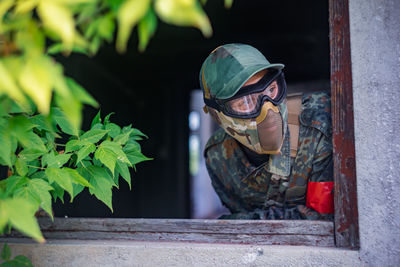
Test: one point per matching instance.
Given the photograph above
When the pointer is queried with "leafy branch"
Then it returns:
(95, 159)
(19, 260)
(40, 106)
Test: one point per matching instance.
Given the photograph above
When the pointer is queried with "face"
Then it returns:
(270, 129)
(262, 134)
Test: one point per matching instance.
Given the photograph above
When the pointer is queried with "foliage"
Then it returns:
(40, 107)
(43, 170)
(27, 27)
(18, 261)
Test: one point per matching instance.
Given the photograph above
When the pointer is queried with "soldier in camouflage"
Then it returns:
(249, 159)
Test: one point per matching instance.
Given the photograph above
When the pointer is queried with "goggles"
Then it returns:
(248, 101)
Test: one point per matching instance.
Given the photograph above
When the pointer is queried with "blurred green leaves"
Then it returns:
(129, 13)
(28, 74)
(184, 13)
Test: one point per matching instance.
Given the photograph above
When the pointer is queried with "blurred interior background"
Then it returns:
(157, 92)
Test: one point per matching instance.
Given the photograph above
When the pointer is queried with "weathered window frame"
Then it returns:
(342, 233)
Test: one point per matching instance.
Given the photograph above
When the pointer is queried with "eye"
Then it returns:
(272, 90)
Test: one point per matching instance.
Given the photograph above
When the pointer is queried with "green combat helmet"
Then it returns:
(228, 67)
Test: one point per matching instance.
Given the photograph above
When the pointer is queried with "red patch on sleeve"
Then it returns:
(320, 196)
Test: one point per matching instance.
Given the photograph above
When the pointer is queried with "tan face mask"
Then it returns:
(263, 134)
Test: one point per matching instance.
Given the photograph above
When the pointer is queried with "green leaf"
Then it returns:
(60, 47)
(81, 93)
(123, 169)
(31, 40)
(30, 140)
(5, 252)
(102, 184)
(61, 119)
(26, 193)
(60, 84)
(91, 30)
(35, 79)
(73, 145)
(85, 151)
(113, 128)
(228, 3)
(37, 190)
(40, 122)
(134, 144)
(146, 29)
(77, 189)
(50, 139)
(21, 128)
(3, 218)
(112, 150)
(134, 155)
(106, 27)
(9, 86)
(98, 126)
(33, 166)
(58, 192)
(59, 19)
(115, 4)
(25, 6)
(30, 154)
(95, 45)
(76, 178)
(21, 260)
(20, 213)
(20, 166)
(123, 138)
(96, 119)
(5, 5)
(5, 146)
(13, 183)
(107, 157)
(39, 175)
(72, 108)
(137, 132)
(55, 160)
(129, 13)
(62, 178)
(93, 136)
(107, 118)
(184, 13)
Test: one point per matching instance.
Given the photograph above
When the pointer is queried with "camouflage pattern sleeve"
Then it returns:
(314, 161)
(322, 167)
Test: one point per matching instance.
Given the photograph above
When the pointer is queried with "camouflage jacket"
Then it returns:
(277, 188)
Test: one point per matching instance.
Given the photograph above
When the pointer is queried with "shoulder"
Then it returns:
(316, 112)
(218, 137)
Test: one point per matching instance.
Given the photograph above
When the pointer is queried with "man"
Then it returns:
(272, 159)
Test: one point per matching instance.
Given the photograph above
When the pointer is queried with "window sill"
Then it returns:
(295, 233)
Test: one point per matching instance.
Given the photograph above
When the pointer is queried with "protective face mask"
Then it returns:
(263, 134)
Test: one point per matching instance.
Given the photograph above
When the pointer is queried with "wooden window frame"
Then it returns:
(343, 232)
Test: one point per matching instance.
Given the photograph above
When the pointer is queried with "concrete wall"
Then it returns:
(375, 48)
(114, 253)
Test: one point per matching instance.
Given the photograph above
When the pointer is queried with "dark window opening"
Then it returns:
(152, 91)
